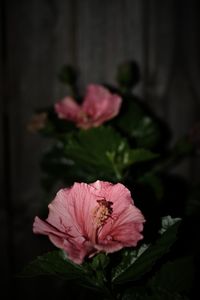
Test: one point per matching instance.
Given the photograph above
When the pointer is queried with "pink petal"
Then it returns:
(95, 99)
(109, 246)
(77, 251)
(126, 234)
(101, 185)
(68, 109)
(100, 104)
(124, 228)
(72, 210)
(118, 194)
(66, 225)
(76, 248)
(83, 202)
(60, 214)
(110, 109)
(41, 227)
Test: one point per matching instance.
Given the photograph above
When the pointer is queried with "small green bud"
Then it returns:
(128, 75)
(68, 75)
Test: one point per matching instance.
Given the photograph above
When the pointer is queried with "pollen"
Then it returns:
(102, 212)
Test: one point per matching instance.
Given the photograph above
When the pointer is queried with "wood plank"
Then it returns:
(190, 39)
(39, 44)
(39, 41)
(90, 41)
(172, 69)
(182, 101)
(1, 100)
(160, 42)
(4, 233)
(108, 34)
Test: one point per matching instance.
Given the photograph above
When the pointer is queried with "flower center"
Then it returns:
(102, 212)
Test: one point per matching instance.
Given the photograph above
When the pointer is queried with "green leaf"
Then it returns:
(100, 261)
(171, 282)
(167, 222)
(56, 263)
(154, 182)
(145, 294)
(134, 269)
(138, 124)
(175, 276)
(52, 263)
(141, 155)
(98, 265)
(128, 75)
(129, 256)
(100, 151)
(57, 167)
(103, 153)
(136, 293)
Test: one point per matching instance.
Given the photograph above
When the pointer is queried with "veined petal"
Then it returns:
(82, 202)
(68, 109)
(77, 251)
(100, 104)
(101, 185)
(61, 215)
(95, 99)
(118, 194)
(55, 236)
(110, 109)
(42, 227)
(124, 228)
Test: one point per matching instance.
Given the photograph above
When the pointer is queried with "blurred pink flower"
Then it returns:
(90, 218)
(99, 105)
(37, 122)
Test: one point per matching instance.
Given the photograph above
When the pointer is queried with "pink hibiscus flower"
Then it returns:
(99, 105)
(90, 218)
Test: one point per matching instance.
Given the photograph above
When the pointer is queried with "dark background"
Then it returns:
(37, 37)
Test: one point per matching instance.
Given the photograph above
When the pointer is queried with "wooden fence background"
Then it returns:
(37, 38)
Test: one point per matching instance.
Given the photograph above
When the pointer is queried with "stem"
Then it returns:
(111, 156)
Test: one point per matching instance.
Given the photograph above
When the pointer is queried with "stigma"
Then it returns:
(102, 212)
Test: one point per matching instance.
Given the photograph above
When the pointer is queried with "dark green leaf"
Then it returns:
(139, 125)
(154, 182)
(136, 293)
(128, 75)
(56, 263)
(134, 269)
(100, 261)
(175, 276)
(100, 151)
(53, 263)
(103, 153)
(141, 155)
(145, 294)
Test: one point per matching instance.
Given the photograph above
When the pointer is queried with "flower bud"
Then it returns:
(128, 75)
